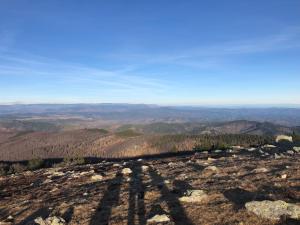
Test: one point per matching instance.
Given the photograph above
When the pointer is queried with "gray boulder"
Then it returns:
(273, 210)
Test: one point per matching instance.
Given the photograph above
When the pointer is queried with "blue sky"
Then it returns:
(164, 52)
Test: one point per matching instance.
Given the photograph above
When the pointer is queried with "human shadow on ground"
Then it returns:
(42, 212)
(109, 200)
(180, 187)
(67, 215)
(177, 212)
(136, 196)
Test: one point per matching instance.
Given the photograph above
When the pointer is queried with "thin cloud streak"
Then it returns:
(125, 79)
(207, 56)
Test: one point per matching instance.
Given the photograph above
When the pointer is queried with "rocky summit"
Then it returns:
(236, 186)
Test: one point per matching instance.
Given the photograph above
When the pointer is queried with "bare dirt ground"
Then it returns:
(76, 195)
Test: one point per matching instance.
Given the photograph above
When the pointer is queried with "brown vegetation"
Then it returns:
(70, 193)
(100, 143)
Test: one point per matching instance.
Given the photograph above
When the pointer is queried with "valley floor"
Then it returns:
(105, 193)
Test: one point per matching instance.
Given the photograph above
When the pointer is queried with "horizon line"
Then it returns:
(244, 105)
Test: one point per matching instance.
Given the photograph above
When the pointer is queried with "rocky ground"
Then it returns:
(223, 187)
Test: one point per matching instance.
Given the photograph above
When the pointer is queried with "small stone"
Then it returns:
(96, 177)
(55, 221)
(218, 151)
(50, 221)
(212, 168)
(10, 218)
(296, 149)
(126, 171)
(194, 196)
(54, 189)
(47, 181)
(261, 151)
(276, 156)
(211, 159)
(260, 170)
(84, 173)
(85, 194)
(291, 152)
(283, 176)
(40, 221)
(269, 146)
(171, 164)
(237, 147)
(58, 174)
(145, 168)
(159, 219)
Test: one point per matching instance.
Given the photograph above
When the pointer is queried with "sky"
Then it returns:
(169, 52)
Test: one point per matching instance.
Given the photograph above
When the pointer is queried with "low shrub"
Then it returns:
(17, 168)
(3, 169)
(34, 164)
(128, 133)
(69, 161)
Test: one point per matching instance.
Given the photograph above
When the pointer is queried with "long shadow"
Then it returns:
(240, 197)
(180, 187)
(136, 196)
(3, 214)
(197, 167)
(42, 212)
(176, 210)
(68, 214)
(288, 221)
(109, 199)
(286, 193)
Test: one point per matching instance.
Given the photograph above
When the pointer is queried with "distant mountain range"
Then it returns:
(140, 113)
(116, 130)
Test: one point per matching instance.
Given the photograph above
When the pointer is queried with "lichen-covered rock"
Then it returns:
(273, 210)
(145, 168)
(96, 177)
(159, 219)
(194, 196)
(50, 221)
(126, 171)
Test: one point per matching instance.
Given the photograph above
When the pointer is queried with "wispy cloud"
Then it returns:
(121, 80)
(212, 55)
